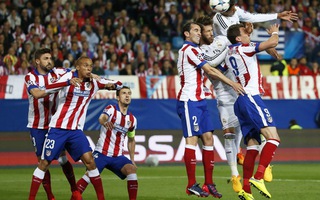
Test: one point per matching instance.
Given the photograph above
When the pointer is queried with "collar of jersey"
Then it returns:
(37, 72)
(190, 43)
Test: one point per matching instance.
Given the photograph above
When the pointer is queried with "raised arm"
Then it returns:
(272, 42)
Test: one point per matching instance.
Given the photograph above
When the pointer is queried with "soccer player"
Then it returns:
(116, 123)
(66, 125)
(192, 109)
(214, 52)
(41, 108)
(253, 115)
(226, 97)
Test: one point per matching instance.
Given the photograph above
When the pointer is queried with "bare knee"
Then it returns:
(88, 161)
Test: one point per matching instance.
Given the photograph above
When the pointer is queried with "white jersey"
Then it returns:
(221, 23)
(111, 142)
(41, 110)
(190, 72)
(242, 59)
(225, 94)
(74, 101)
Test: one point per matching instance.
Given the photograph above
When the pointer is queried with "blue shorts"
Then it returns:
(38, 137)
(195, 118)
(74, 141)
(114, 164)
(253, 115)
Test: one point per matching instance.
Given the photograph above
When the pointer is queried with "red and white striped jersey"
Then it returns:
(41, 110)
(73, 102)
(242, 59)
(190, 72)
(111, 142)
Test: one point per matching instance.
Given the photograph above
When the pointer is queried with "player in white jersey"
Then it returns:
(253, 115)
(235, 15)
(116, 123)
(192, 109)
(214, 51)
(230, 124)
(67, 123)
(41, 108)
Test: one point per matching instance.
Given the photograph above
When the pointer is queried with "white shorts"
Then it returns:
(227, 117)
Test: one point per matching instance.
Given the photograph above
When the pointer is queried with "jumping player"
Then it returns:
(192, 109)
(253, 115)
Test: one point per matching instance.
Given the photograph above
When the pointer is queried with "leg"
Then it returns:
(231, 153)
(238, 138)
(190, 159)
(93, 174)
(208, 164)
(132, 181)
(67, 170)
(37, 178)
(38, 139)
(273, 141)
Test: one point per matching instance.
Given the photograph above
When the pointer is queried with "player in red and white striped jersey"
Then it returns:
(72, 108)
(254, 117)
(41, 108)
(192, 108)
(116, 123)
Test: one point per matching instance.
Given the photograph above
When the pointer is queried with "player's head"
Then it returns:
(43, 60)
(237, 33)
(231, 10)
(124, 96)
(192, 32)
(84, 66)
(207, 29)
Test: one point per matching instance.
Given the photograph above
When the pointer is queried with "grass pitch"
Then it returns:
(294, 181)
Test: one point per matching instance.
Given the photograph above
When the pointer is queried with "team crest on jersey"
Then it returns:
(270, 119)
(196, 128)
(48, 153)
(129, 123)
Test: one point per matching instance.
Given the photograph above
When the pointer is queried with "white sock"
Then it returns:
(238, 138)
(231, 152)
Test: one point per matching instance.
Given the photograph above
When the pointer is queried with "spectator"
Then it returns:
(133, 35)
(123, 60)
(141, 70)
(167, 68)
(39, 28)
(315, 68)
(128, 70)
(166, 53)
(293, 68)
(141, 44)
(97, 69)
(293, 125)
(128, 50)
(91, 37)
(304, 68)
(25, 20)
(112, 69)
(14, 19)
(155, 70)
(279, 67)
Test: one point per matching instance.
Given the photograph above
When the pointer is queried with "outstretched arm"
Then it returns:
(272, 42)
(216, 74)
(288, 16)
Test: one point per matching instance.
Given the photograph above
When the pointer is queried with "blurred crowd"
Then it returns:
(123, 37)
